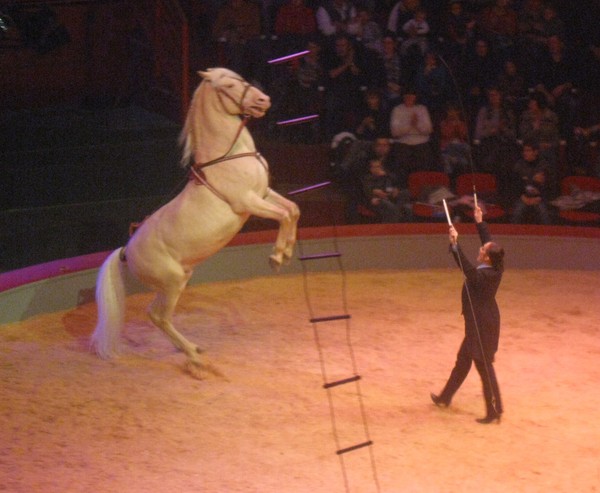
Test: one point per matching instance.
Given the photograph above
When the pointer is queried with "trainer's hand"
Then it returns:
(478, 214)
(453, 235)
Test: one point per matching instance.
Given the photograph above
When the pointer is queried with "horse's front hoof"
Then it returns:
(275, 263)
(199, 370)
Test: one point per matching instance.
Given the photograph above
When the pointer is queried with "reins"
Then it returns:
(195, 169)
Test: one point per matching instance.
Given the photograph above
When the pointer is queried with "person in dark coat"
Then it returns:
(482, 320)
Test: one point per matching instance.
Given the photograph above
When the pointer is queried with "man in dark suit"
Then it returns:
(482, 320)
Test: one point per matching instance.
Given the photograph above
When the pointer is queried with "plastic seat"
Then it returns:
(571, 184)
(418, 183)
(486, 187)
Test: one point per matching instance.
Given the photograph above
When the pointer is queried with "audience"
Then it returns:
(512, 65)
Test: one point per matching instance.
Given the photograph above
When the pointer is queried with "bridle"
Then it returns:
(196, 172)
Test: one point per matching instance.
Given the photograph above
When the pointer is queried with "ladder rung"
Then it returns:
(320, 256)
(328, 319)
(354, 447)
(341, 382)
(308, 189)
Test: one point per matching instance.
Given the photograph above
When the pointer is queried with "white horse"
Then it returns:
(228, 183)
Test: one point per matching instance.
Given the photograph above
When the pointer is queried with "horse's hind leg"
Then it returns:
(161, 313)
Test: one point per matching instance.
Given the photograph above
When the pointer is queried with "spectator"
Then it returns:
(495, 137)
(557, 76)
(433, 85)
(238, 28)
(416, 31)
(532, 174)
(393, 72)
(294, 22)
(411, 126)
(530, 36)
(401, 13)
(540, 123)
(498, 24)
(511, 83)
(454, 143)
(459, 25)
(367, 31)
(346, 78)
(383, 195)
(581, 159)
(334, 17)
(552, 24)
(374, 119)
(481, 71)
(298, 90)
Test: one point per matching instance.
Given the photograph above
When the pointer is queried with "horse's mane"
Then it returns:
(186, 136)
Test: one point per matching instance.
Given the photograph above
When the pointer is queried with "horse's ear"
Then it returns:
(205, 74)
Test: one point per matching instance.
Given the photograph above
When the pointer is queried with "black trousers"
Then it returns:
(491, 391)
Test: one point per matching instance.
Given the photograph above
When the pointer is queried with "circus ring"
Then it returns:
(72, 422)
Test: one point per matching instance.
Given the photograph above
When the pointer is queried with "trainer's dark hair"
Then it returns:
(496, 254)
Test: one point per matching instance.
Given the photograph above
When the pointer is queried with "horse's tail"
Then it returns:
(110, 298)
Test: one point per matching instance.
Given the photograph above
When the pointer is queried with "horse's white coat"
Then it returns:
(199, 221)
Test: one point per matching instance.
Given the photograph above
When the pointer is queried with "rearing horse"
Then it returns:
(229, 182)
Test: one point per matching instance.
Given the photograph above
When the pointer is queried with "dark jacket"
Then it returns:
(479, 307)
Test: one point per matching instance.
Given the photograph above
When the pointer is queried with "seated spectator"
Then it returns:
(411, 126)
(583, 156)
(481, 71)
(297, 90)
(393, 73)
(540, 123)
(530, 35)
(351, 163)
(495, 138)
(416, 31)
(383, 195)
(459, 25)
(557, 76)
(373, 119)
(294, 22)
(433, 85)
(498, 24)
(513, 86)
(401, 13)
(552, 24)
(366, 30)
(531, 173)
(454, 143)
(237, 26)
(335, 16)
(346, 78)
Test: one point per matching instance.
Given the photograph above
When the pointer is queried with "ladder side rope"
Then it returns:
(356, 378)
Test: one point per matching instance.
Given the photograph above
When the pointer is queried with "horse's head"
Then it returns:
(236, 95)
